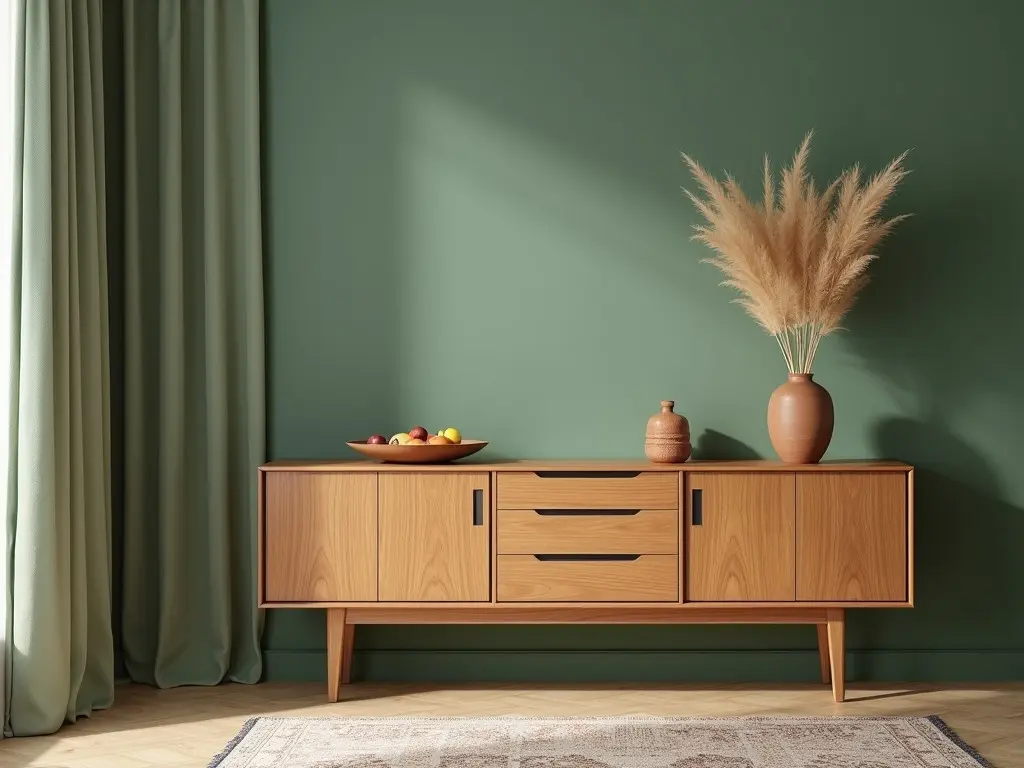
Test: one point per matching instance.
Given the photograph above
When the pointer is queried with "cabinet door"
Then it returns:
(740, 531)
(435, 536)
(852, 536)
(320, 536)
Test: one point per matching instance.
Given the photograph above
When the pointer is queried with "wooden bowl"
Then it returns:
(418, 454)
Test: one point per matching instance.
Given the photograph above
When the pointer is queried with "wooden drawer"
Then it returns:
(581, 532)
(646, 578)
(588, 490)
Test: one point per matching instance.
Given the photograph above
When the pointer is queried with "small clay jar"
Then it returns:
(668, 436)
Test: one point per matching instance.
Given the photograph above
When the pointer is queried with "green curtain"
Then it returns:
(60, 648)
(194, 374)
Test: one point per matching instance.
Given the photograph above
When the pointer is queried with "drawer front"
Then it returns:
(579, 532)
(646, 578)
(588, 490)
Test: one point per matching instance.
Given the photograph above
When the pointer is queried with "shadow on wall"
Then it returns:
(967, 544)
(940, 326)
(941, 317)
(713, 445)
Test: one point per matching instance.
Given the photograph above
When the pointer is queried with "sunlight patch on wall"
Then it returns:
(518, 259)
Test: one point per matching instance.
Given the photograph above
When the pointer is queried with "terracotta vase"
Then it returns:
(668, 436)
(800, 419)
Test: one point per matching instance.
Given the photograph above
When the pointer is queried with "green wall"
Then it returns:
(474, 217)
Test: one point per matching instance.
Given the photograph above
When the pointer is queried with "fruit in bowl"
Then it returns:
(452, 434)
(417, 446)
(418, 435)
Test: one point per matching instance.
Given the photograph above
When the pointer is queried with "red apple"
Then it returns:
(376, 440)
(419, 433)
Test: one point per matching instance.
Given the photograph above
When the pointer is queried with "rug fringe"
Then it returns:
(229, 747)
(955, 737)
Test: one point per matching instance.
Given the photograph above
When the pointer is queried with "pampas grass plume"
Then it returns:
(799, 257)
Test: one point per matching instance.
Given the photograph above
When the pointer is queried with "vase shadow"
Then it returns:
(713, 444)
(967, 540)
(958, 420)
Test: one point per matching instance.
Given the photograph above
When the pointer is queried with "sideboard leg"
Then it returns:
(349, 645)
(336, 651)
(826, 674)
(837, 651)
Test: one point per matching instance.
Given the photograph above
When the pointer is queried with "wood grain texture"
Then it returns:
(348, 649)
(261, 539)
(744, 548)
(687, 607)
(852, 537)
(336, 651)
(823, 656)
(583, 614)
(527, 532)
(650, 578)
(527, 490)
(429, 548)
(681, 482)
(837, 652)
(910, 537)
(587, 465)
(321, 537)
(493, 515)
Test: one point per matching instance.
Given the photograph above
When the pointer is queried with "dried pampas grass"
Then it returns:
(798, 258)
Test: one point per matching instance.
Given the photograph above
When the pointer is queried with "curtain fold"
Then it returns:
(60, 646)
(194, 369)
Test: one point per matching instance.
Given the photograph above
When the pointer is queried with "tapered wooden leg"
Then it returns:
(349, 645)
(336, 650)
(826, 675)
(837, 651)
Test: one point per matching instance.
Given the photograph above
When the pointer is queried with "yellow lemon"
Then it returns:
(452, 434)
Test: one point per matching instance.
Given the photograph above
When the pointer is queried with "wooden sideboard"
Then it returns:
(585, 542)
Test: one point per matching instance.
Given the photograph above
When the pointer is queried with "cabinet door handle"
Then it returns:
(478, 507)
(697, 506)
(597, 474)
(571, 512)
(578, 558)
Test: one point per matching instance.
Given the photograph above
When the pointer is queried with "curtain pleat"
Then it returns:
(59, 510)
(194, 379)
(193, 349)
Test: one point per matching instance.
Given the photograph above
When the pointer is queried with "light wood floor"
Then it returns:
(187, 726)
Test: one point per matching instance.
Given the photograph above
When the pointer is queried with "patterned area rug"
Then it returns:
(614, 742)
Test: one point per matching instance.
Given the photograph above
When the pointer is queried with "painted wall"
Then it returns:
(474, 217)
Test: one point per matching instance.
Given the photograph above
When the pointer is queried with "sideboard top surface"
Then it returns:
(581, 465)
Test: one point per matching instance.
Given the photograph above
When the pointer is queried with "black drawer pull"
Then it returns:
(478, 507)
(697, 506)
(581, 512)
(597, 474)
(580, 558)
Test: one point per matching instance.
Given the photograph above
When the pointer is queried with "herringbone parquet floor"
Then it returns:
(187, 726)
